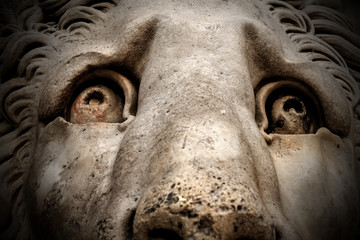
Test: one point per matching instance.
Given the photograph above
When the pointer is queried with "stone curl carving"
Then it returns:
(178, 120)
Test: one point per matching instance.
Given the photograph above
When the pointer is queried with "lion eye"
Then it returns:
(287, 107)
(289, 115)
(103, 96)
(97, 104)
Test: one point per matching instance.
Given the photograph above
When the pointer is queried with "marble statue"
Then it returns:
(179, 119)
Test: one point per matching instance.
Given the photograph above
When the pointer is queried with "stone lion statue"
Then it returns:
(179, 119)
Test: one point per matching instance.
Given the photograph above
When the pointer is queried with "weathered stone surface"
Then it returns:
(217, 119)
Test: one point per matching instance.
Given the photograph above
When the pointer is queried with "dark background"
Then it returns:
(352, 10)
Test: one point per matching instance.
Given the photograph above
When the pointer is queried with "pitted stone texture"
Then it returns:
(206, 208)
(185, 148)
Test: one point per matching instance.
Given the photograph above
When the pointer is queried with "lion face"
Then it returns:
(190, 120)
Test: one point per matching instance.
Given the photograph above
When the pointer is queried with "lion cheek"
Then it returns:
(71, 175)
(317, 182)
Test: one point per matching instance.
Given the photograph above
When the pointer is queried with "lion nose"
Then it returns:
(205, 185)
(207, 208)
(209, 192)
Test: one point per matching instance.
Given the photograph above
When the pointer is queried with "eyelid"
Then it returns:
(106, 79)
(333, 105)
(125, 84)
(265, 91)
(127, 53)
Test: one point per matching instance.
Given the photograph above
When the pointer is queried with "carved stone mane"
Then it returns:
(33, 32)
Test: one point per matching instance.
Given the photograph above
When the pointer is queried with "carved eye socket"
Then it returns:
(107, 97)
(97, 104)
(287, 108)
(288, 114)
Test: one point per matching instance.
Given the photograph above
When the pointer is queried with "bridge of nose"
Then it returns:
(201, 62)
(203, 153)
(199, 99)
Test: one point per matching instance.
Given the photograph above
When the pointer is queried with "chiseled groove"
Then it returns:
(5, 157)
(15, 195)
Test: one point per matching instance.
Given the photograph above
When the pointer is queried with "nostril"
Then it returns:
(163, 234)
(130, 223)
